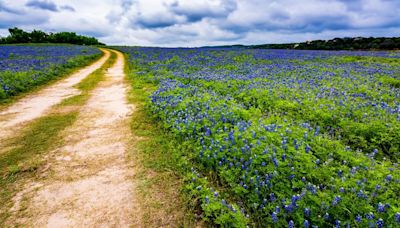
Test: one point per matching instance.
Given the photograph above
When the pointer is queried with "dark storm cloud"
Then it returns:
(44, 5)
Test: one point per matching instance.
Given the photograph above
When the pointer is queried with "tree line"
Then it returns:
(348, 43)
(37, 36)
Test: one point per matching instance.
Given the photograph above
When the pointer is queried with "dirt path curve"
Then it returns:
(90, 180)
(35, 105)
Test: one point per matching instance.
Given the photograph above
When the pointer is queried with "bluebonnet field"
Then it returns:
(280, 137)
(23, 67)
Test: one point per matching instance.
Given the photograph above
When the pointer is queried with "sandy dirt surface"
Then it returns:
(35, 105)
(89, 182)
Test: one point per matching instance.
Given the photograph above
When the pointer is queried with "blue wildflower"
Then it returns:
(291, 224)
(337, 223)
(397, 217)
(275, 161)
(381, 207)
(272, 197)
(306, 223)
(308, 148)
(379, 223)
(307, 212)
(358, 218)
(336, 200)
(370, 216)
(274, 217)
(327, 216)
(223, 202)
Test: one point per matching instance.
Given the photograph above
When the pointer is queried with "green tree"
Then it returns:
(36, 36)
(18, 35)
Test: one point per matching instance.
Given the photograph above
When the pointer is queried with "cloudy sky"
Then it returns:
(205, 22)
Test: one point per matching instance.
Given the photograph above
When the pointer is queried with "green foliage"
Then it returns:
(36, 36)
(214, 211)
(391, 81)
(347, 43)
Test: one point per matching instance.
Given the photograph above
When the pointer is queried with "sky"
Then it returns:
(191, 23)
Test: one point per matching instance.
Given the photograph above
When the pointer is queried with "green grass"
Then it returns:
(391, 81)
(160, 159)
(36, 140)
(367, 60)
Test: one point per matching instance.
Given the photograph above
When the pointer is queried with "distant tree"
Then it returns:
(36, 36)
(18, 35)
(388, 44)
(347, 43)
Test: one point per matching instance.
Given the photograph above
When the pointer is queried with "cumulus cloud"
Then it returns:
(14, 14)
(67, 7)
(5, 9)
(156, 20)
(48, 5)
(11, 20)
(206, 22)
(44, 5)
(197, 10)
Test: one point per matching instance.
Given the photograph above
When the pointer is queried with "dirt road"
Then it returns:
(89, 182)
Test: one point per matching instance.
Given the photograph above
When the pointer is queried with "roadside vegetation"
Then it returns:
(157, 155)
